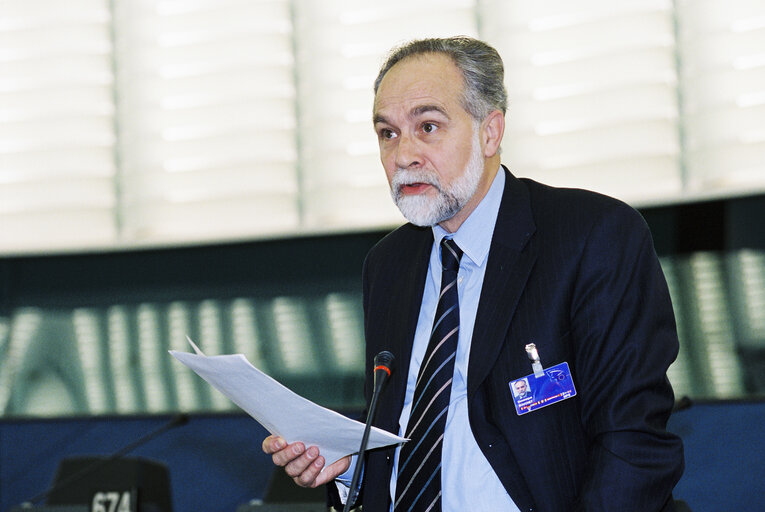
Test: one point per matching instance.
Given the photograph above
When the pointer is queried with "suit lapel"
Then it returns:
(511, 259)
(407, 290)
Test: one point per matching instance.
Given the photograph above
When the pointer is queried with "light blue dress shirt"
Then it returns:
(468, 481)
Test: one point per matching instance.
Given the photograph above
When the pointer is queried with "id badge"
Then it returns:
(541, 389)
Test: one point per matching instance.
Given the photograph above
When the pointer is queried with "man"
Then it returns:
(571, 271)
(521, 390)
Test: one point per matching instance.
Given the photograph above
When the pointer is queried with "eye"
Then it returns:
(429, 127)
(387, 134)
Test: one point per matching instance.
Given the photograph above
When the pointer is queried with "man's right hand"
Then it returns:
(303, 465)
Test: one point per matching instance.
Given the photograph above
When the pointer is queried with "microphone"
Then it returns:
(176, 421)
(383, 367)
(382, 370)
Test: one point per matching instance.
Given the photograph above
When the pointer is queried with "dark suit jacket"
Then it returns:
(576, 273)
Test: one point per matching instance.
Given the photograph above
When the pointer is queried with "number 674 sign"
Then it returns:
(114, 501)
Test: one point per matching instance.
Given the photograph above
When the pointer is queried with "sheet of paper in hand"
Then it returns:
(279, 410)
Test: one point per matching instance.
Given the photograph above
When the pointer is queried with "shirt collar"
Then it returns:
(474, 235)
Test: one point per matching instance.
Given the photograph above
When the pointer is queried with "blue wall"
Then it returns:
(216, 463)
(724, 456)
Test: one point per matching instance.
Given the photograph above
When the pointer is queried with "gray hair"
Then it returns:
(480, 64)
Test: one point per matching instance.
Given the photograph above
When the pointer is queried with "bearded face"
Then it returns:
(450, 198)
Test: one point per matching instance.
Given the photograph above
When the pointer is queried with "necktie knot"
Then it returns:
(450, 255)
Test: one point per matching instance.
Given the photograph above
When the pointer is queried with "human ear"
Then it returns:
(493, 128)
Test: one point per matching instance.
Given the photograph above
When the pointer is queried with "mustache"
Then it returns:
(404, 177)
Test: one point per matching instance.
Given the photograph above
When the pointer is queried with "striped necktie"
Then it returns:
(418, 485)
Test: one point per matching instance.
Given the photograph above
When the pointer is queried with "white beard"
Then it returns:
(423, 210)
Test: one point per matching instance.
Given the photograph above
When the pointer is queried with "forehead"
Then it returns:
(427, 79)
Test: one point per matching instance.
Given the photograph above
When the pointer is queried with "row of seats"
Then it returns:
(113, 358)
(719, 302)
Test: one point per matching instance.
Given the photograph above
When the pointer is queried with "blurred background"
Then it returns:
(208, 168)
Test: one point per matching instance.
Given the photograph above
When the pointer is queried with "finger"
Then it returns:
(332, 471)
(301, 463)
(308, 477)
(288, 454)
(273, 444)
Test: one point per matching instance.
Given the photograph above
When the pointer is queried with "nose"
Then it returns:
(408, 152)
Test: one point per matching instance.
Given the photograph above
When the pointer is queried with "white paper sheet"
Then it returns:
(281, 411)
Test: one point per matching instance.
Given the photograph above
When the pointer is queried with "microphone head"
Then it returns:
(383, 367)
(385, 359)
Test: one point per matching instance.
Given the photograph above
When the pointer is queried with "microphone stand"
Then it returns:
(383, 368)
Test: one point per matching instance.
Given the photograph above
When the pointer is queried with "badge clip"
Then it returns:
(536, 364)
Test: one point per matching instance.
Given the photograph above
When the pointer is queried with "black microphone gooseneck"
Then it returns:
(176, 421)
(382, 370)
